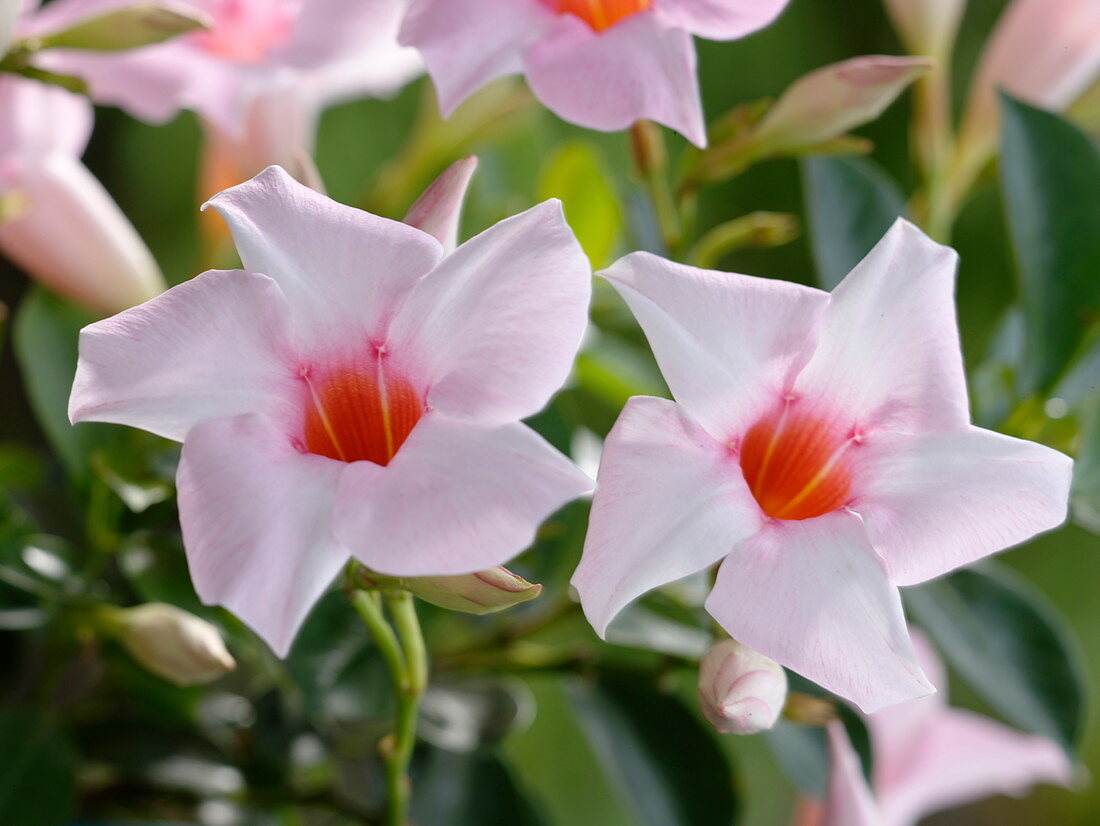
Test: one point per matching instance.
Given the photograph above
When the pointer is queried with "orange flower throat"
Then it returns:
(796, 466)
(600, 14)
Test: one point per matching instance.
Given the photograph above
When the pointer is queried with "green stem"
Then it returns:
(651, 161)
(369, 606)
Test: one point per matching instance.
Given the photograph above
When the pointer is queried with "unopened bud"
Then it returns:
(438, 211)
(172, 643)
(740, 690)
(481, 593)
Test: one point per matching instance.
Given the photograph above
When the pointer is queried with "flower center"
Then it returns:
(244, 31)
(796, 466)
(600, 14)
(356, 415)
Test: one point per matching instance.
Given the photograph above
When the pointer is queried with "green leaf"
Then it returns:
(1009, 645)
(576, 174)
(37, 772)
(128, 28)
(851, 203)
(459, 789)
(1050, 173)
(803, 751)
(1085, 494)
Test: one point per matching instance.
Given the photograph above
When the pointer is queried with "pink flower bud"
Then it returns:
(439, 210)
(741, 691)
(481, 593)
(829, 102)
(927, 27)
(172, 643)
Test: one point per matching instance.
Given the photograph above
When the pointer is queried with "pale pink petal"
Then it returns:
(848, 797)
(637, 69)
(218, 345)
(457, 498)
(73, 238)
(671, 501)
(438, 211)
(344, 271)
(40, 119)
(721, 19)
(257, 523)
(729, 345)
(963, 758)
(10, 11)
(889, 355)
(935, 502)
(814, 596)
(494, 329)
(467, 43)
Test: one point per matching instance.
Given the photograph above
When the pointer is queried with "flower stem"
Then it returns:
(651, 161)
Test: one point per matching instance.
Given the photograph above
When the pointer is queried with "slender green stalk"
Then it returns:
(651, 161)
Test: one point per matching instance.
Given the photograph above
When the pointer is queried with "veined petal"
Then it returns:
(467, 43)
(671, 501)
(494, 329)
(935, 502)
(849, 801)
(218, 345)
(729, 345)
(889, 353)
(457, 498)
(721, 19)
(257, 523)
(607, 80)
(814, 596)
(345, 272)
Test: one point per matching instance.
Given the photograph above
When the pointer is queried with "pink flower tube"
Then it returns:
(353, 393)
(603, 64)
(67, 233)
(820, 448)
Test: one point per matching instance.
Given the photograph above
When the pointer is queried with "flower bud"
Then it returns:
(927, 27)
(741, 691)
(172, 643)
(438, 211)
(481, 593)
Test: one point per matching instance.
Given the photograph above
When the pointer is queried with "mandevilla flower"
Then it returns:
(930, 757)
(603, 64)
(821, 446)
(740, 690)
(259, 77)
(65, 230)
(354, 393)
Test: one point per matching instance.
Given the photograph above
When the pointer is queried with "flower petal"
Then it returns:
(40, 119)
(889, 354)
(721, 19)
(494, 329)
(607, 80)
(939, 501)
(671, 501)
(457, 498)
(849, 801)
(467, 43)
(814, 596)
(728, 345)
(257, 523)
(215, 346)
(344, 271)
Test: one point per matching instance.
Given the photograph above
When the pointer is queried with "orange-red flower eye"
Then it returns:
(601, 14)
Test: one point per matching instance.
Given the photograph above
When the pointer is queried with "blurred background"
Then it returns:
(530, 719)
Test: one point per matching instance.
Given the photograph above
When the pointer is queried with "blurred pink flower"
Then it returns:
(821, 445)
(930, 757)
(355, 393)
(67, 232)
(603, 64)
(259, 78)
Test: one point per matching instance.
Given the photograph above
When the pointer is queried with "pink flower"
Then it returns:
(600, 63)
(259, 78)
(930, 757)
(67, 233)
(353, 394)
(821, 446)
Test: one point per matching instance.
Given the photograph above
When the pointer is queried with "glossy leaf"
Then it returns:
(1010, 647)
(37, 772)
(459, 789)
(1050, 172)
(1085, 494)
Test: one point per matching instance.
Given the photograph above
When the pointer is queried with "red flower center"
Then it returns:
(796, 466)
(354, 415)
(600, 14)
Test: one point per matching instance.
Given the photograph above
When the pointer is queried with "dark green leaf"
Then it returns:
(37, 772)
(1050, 173)
(1085, 498)
(851, 204)
(803, 752)
(1009, 645)
(462, 789)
